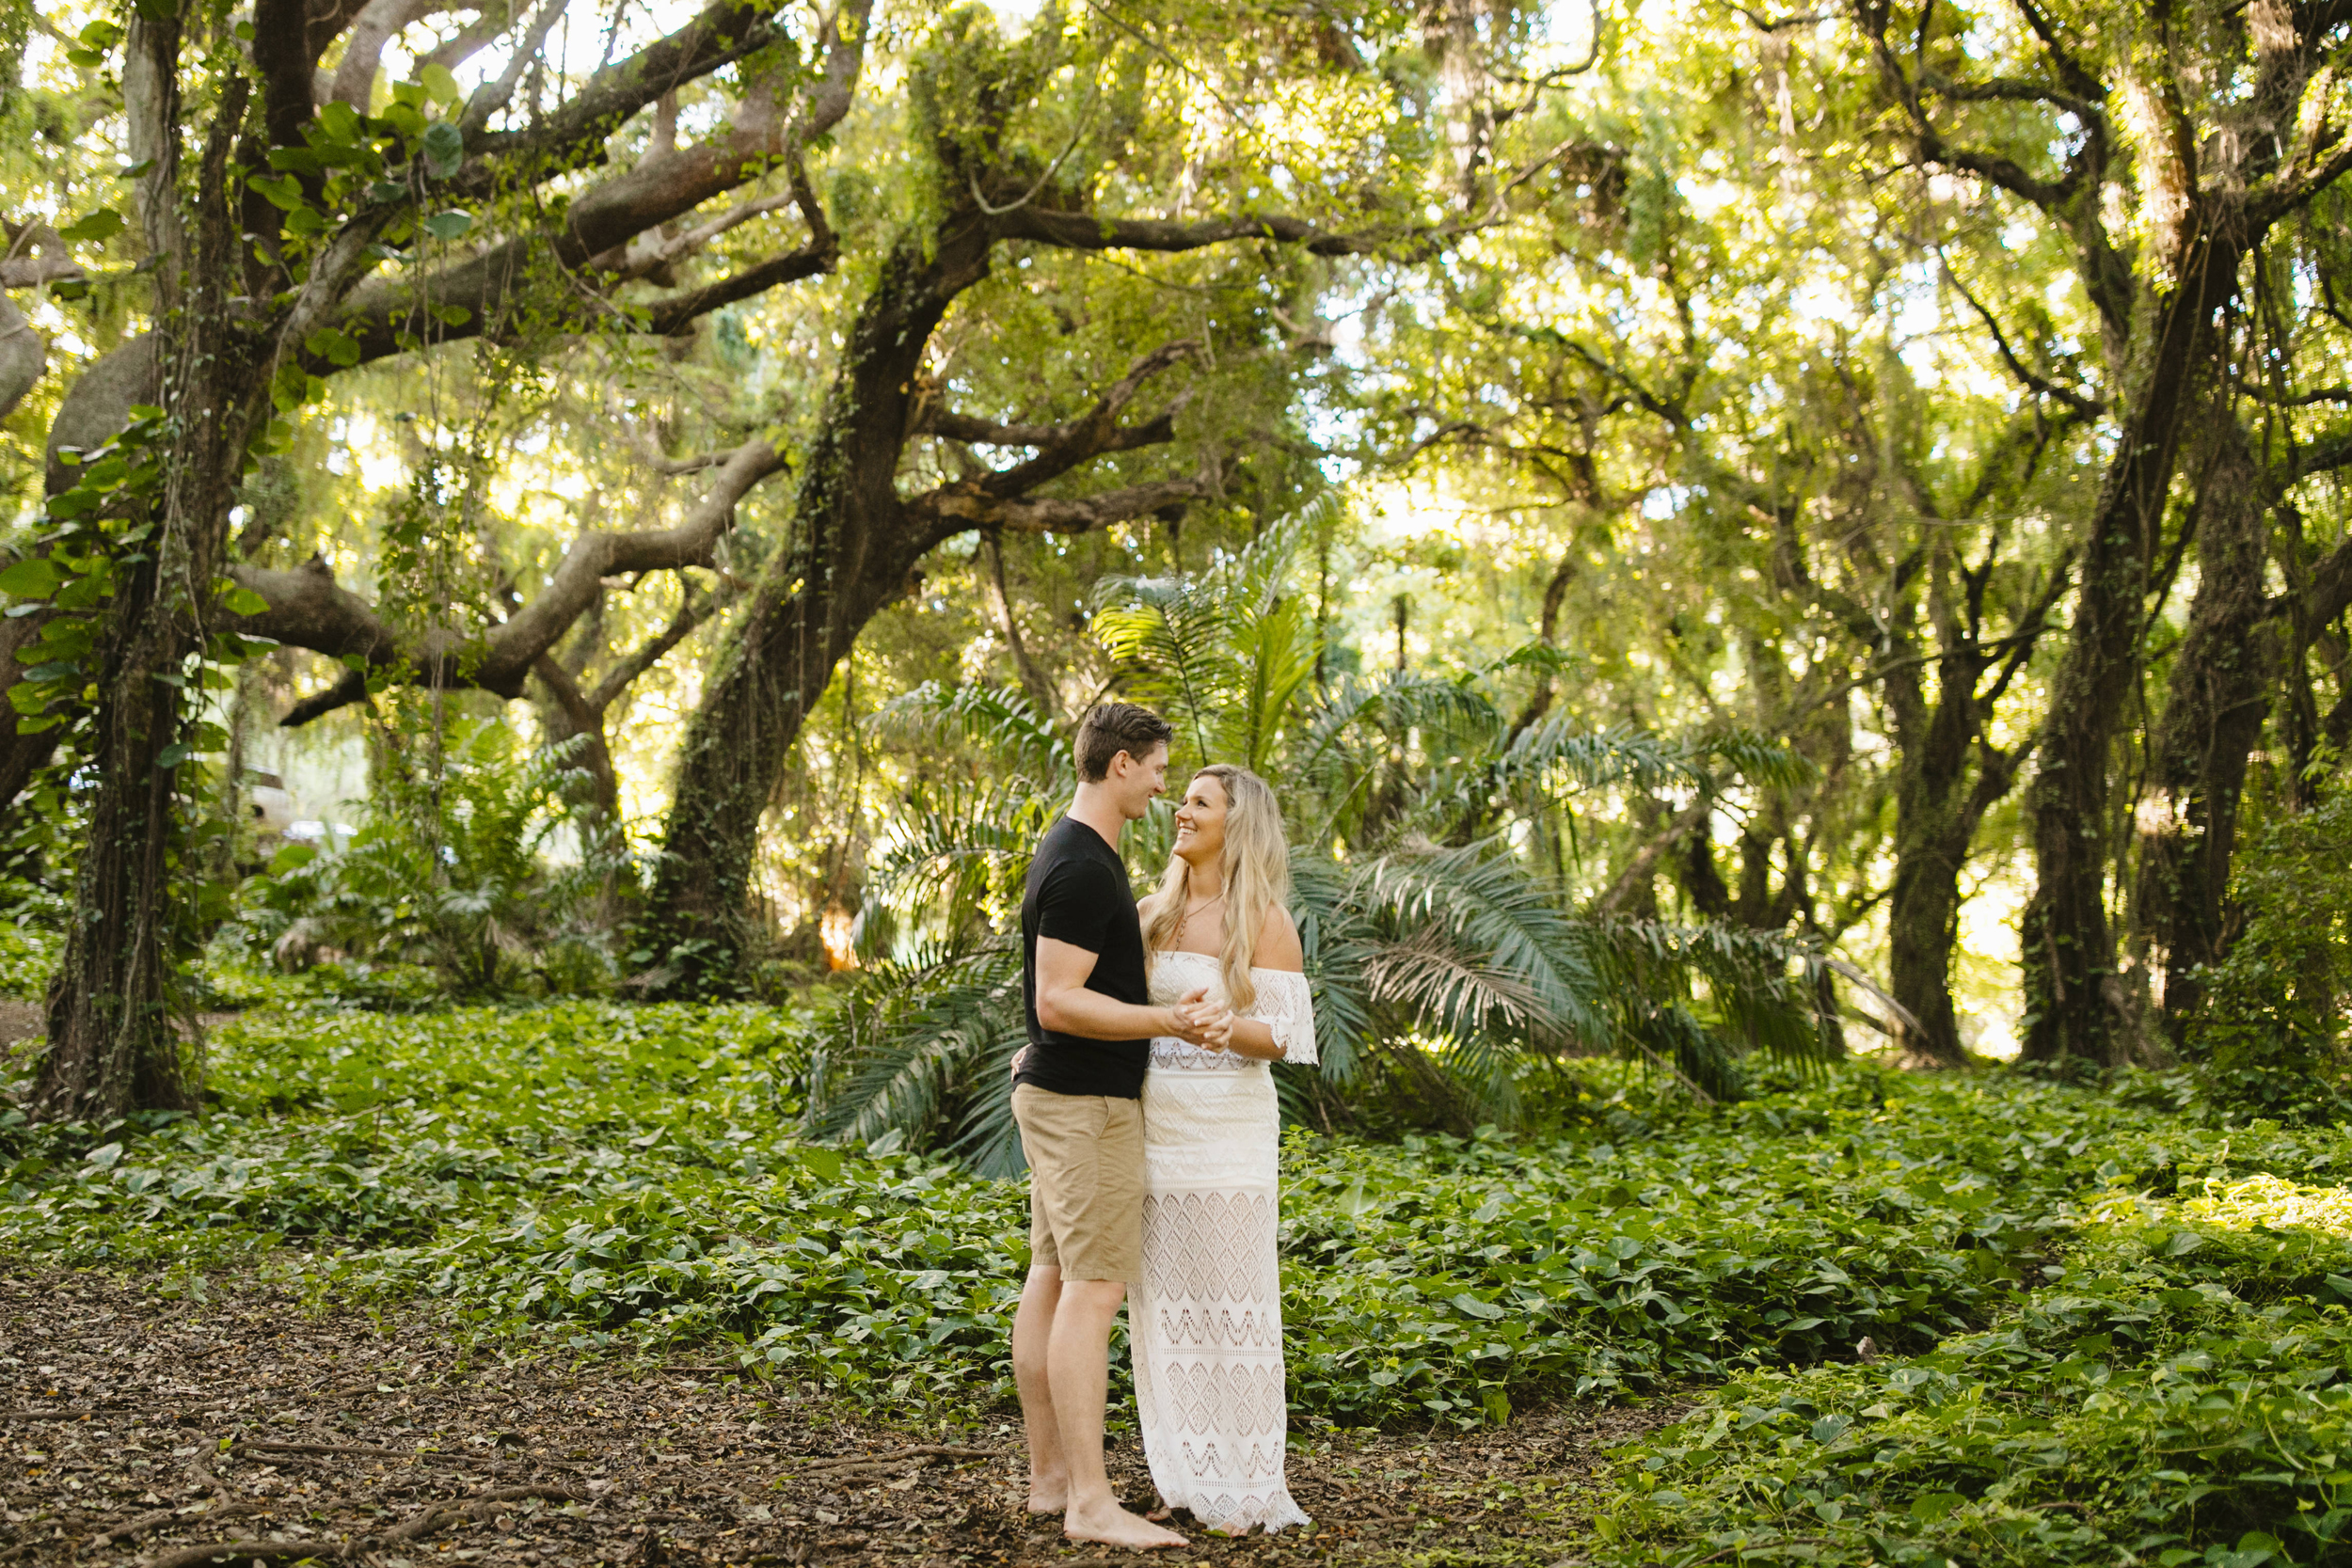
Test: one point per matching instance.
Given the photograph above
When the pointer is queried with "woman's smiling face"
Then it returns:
(1201, 820)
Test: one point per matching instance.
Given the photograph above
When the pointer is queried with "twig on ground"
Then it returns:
(139, 1526)
(482, 1506)
(243, 1552)
(923, 1450)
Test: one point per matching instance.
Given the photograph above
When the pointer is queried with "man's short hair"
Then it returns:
(1110, 728)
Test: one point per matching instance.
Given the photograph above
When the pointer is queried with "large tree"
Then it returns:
(289, 233)
(2163, 147)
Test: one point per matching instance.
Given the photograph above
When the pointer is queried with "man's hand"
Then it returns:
(1201, 1021)
(1188, 1020)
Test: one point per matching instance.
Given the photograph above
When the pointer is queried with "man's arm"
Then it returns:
(1065, 1005)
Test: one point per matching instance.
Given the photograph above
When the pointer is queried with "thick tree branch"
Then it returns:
(473, 38)
(23, 358)
(1085, 231)
(2006, 89)
(489, 98)
(723, 32)
(379, 22)
(281, 51)
(388, 315)
(653, 253)
(36, 255)
(307, 609)
(669, 314)
(597, 555)
(954, 507)
(1063, 448)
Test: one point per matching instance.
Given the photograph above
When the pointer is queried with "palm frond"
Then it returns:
(1558, 752)
(1487, 903)
(1758, 758)
(996, 719)
(1760, 983)
(901, 1050)
(1173, 638)
(1429, 975)
(971, 847)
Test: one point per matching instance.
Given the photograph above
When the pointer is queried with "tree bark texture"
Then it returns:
(112, 1042)
(2217, 699)
(2077, 1008)
(852, 546)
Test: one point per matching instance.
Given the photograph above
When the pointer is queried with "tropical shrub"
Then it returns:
(2273, 1037)
(453, 872)
(1445, 963)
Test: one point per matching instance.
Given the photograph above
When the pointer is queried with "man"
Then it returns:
(1078, 1094)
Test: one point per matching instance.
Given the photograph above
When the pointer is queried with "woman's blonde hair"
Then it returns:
(1257, 878)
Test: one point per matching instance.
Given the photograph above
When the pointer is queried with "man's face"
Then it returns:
(1139, 782)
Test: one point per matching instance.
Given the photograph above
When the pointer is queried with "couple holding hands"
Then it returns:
(1147, 1115)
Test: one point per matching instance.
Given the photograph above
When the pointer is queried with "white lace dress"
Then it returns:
(1205, 1321)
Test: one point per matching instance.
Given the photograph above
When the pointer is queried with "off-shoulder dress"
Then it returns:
(1205, 1321)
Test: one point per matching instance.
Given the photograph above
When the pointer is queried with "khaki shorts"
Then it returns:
(1086, 1182)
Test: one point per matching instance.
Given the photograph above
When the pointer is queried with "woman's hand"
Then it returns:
(1210, 1023)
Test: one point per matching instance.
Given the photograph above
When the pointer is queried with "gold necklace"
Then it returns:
(1192, 910)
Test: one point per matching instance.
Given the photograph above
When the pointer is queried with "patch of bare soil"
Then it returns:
(240, 1429)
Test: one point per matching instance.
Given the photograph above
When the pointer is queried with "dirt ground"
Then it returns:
(241, 1429)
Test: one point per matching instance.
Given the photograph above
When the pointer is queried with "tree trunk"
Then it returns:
(852, 548)
(574, 714)
(2215, 702)
(111, 1046)
(2076, 1007)
(1939, 802)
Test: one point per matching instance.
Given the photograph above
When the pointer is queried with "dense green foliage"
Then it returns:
(2271, 1037)
(2054, 1282)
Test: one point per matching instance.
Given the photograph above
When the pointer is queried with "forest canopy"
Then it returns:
(1796, 523)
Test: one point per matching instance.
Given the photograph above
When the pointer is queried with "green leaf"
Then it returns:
(173, 755)
(293, 857)
(103, 224)
(444, 148)
(334, 346)
(1931, 1507)
(449, 224)
(824, 1163)
(1477, 1309)
(35, 576)
(439, 85)
(283, 193)
(244, 601)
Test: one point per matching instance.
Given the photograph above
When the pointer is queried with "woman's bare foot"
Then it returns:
(1113, 1526)
(1048, 1494)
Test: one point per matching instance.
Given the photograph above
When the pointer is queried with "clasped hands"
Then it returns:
(1203, 1022)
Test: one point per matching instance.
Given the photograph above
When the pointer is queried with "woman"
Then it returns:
(1205, 1321)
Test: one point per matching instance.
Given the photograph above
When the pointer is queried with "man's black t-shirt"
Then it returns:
(1077, 893)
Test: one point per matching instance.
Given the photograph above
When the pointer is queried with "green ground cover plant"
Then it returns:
(2095, 1328)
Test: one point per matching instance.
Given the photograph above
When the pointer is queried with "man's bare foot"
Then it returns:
(1048, 1494)
(1113, 1526)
